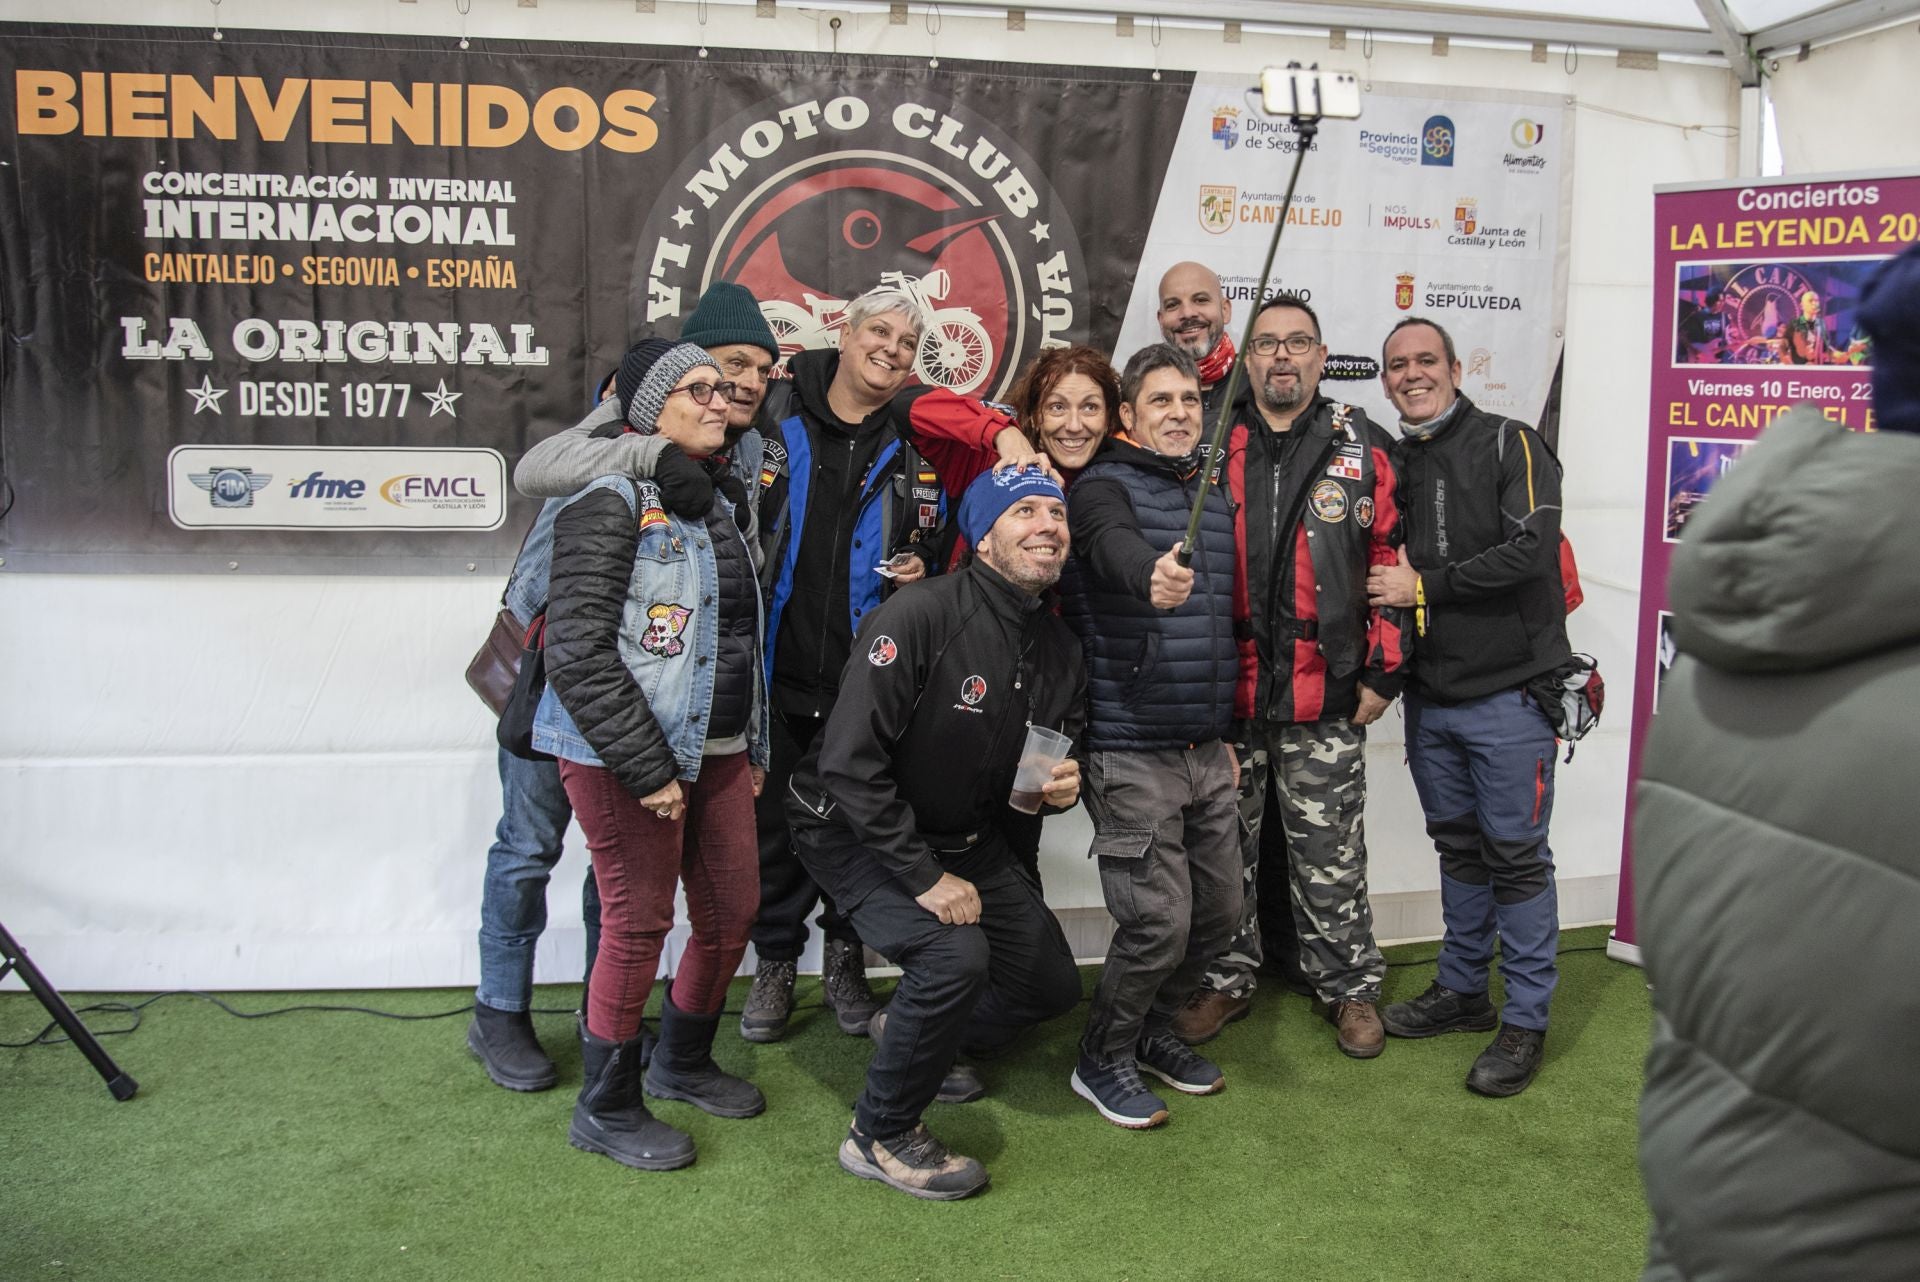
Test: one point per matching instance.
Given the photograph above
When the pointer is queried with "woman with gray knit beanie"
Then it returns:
(656, 709)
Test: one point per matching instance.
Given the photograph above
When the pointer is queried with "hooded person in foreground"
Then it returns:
(1777, 879)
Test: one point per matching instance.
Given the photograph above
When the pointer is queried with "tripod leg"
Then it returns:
(13, 957)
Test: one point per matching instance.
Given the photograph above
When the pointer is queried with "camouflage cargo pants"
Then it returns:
(1322, 787)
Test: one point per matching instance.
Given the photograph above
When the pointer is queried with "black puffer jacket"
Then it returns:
(734, 674)
(635, 634)
(1155, 678)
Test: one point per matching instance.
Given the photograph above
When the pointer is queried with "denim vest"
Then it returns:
(672, 650)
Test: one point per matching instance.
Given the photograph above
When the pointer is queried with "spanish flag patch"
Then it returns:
(929, 477)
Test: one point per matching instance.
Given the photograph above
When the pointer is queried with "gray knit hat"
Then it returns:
(648, 373)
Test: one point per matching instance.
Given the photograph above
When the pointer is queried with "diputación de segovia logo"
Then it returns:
(809, 203)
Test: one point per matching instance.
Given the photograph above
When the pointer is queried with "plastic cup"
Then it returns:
(1043, 750)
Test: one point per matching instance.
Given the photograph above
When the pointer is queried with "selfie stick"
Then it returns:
(1307, 124)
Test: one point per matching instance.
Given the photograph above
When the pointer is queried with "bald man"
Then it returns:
(1194, 314)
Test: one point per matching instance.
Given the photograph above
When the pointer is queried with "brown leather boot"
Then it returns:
(1357, 1027)
(1206, 1013)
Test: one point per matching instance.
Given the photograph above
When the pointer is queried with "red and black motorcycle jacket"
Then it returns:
(1311, 516)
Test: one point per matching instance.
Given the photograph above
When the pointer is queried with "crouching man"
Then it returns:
(897, 812)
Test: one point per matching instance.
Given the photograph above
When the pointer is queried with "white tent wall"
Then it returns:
(282, 781)
(1827, 125)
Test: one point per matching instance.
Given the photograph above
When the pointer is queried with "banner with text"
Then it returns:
(305, 297)
(1755, 285)
(1446, 204)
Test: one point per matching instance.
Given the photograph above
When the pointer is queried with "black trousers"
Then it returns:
(976, 986)
(788, 891)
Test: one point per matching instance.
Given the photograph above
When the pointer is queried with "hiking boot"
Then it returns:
(504, 1043)
(843, 979)
(914, 1162)
(1439, 1010)
(611, 1117)
(1116, 1090)
(1357, 1029)
(961, 1085)
(683, 1067)
(1509, 1065)
(1169, 1059)
(1206, 1013)
(769, 1002)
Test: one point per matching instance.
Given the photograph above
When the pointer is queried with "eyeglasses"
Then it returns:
(702, 393)
(1296, 344)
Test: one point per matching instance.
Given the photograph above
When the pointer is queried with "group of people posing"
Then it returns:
(838, 605)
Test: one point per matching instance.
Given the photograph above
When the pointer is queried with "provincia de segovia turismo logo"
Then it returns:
(810, 202)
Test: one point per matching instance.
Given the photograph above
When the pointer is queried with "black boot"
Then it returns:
(843, 980)
(503, 1041)
(683, 1067)
(611, 1117)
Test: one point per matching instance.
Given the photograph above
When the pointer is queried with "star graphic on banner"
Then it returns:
(683, 218)
(206, 396)
(1040, 232)
(443, 400)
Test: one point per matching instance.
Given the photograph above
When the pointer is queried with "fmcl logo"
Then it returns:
(436, 491)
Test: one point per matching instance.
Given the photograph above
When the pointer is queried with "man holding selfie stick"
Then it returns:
(1163, 666)
(898, 812)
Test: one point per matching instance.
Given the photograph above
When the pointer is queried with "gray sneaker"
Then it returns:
(769, 1003)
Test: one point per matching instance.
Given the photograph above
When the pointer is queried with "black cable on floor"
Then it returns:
(135, 1009)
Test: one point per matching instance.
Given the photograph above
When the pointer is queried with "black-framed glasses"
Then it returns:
(1296, 344)
(702, 393)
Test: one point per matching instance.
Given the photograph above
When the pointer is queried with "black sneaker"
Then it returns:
(961, 1085)
(1117, 1092)
(1179, 1066)
(769, 1002)
(914, 1162)
(1509, 1065)
(1440, 1010)
(503, 1041)
(843, 981)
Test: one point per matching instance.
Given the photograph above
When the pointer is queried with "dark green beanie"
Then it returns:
(725, 314)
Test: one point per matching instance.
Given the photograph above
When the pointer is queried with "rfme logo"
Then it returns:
(318, 485)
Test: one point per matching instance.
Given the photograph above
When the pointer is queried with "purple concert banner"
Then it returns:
(1755, 288)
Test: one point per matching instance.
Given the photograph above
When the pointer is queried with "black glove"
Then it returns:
(728, 482)
(684, 485)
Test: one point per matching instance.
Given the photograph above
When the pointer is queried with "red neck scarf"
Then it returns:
(1215, 364)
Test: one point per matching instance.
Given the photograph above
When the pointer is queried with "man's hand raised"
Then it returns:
(953, 900)
(1172, 582)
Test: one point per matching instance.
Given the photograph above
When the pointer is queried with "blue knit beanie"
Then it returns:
(725, 314)
(1890, 313)
(992, 493)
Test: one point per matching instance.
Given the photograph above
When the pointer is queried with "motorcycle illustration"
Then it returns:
(954, 353)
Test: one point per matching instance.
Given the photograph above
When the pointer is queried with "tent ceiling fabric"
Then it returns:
(1701, 29)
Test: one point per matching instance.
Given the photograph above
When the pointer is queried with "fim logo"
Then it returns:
(1403, 291)
(1225, 131)
(231, 486)
(1466, 215)
(1216, 208)
(1436, 141)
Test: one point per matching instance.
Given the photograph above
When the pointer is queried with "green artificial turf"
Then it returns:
(329, 1145)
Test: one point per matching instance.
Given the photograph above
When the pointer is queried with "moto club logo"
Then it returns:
(809, 204)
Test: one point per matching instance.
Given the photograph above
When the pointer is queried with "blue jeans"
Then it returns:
(1484, 772)
(534, 812)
